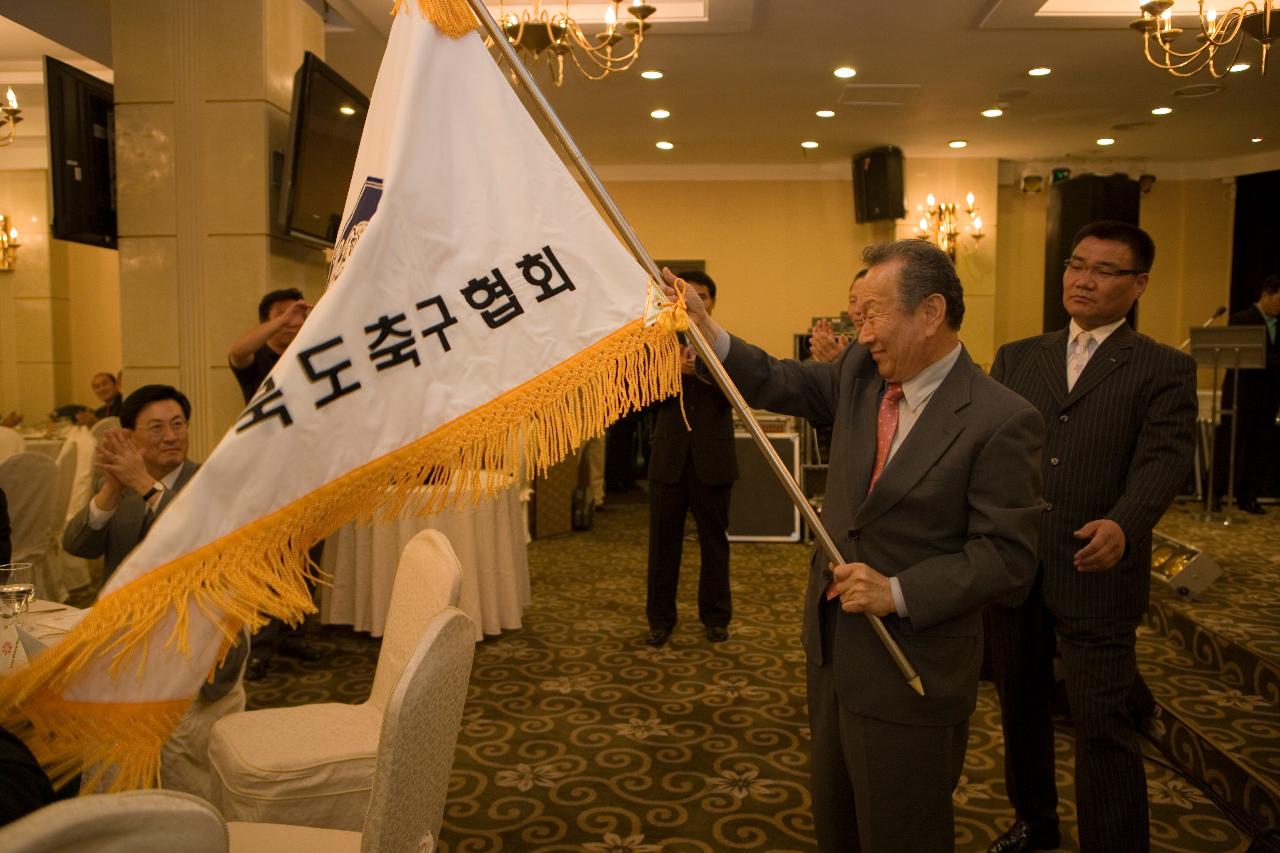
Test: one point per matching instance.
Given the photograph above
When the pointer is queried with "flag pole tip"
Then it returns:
(917, 685)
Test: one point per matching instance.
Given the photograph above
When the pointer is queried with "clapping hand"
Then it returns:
(122, 463)
(824, 344)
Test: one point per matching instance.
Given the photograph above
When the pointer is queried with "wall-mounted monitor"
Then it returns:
(82, 165)
(324, 136)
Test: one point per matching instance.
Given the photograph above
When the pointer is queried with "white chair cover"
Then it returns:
(415, 756)
(80, 448)
(11, 443)
(30, 483)
(313, 765)
(132, 822)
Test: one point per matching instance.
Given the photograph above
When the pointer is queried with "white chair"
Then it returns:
(11, 443)
(73, 461)
(415, 756)
(30, 483)
(313, 765)
(131, 822)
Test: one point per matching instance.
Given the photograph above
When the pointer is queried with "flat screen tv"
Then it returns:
(82, 163)
(324, 135)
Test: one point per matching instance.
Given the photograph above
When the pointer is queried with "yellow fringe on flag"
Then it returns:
(259, 571)
(454, 18)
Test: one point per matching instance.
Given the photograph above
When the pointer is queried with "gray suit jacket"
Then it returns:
(954, 516)
(123, 531)
(1120, 446)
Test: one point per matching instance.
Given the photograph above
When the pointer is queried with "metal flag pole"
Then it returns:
(700, 344)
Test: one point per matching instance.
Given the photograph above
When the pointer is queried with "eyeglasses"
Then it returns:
(1102, 272)
(159, 428)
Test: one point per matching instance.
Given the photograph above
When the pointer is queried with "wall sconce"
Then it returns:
(940, 223)
(8, 244)
(12, 115)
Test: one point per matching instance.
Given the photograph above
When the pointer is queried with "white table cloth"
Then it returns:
(488, 538)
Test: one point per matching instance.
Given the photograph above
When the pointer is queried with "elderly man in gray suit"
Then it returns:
(933, 497)
(144, 465)
(1121, 411)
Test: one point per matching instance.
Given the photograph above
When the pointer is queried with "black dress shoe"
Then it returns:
(658, 636)
(299, 649)
(1022, 838)
(257, 668)
(717, 633)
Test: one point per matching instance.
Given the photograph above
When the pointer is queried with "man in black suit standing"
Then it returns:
(691, 468)
(1121, 413)
(933, 499)
(1259, 399)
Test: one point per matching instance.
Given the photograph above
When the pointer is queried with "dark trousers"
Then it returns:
(266, 642)
(1252, 450)
(1100, 665)
(877, 785)
(668, 505)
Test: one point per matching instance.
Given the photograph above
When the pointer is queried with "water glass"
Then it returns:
(17, 588)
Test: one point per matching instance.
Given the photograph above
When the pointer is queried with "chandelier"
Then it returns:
(536, 31)
(8, 245)
(1260, 20)
(940, 223)
(12, 115)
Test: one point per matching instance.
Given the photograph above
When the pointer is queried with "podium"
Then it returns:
(1234, 348)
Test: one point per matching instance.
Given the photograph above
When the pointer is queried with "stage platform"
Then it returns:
(1213, 664)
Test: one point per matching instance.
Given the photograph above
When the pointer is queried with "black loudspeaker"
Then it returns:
(877, 184)
(760, 509)
(1073, 204)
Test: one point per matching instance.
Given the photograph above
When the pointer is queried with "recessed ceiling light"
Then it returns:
(1106, 140)
(665, 145)
(808, 143)
(660, 114)
(347, 111)
(1256, 139)
(844, 72)
(825, 114)
(994, 112)
(651, 75)
(1238, 67)
(958, 143)
(1162, 111)
(1039, 71)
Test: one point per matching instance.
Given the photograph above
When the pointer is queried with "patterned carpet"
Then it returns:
(578, 736)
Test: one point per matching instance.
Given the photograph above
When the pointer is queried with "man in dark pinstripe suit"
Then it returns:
(1121, 414)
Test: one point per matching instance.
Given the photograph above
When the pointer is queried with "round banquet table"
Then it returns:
(488, 538)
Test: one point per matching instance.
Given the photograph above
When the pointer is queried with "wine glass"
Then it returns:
(17, 588)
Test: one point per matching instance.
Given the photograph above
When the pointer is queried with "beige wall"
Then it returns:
(950, 180)
(35, 361)
(90, 275)
(781, 252)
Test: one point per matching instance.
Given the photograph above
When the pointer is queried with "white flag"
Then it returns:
(480, 312)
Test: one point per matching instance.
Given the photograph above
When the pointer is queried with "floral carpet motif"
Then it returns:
(579, 737)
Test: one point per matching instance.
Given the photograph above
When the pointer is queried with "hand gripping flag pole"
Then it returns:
(695, 336)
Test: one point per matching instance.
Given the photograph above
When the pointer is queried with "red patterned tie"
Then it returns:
(886, 426)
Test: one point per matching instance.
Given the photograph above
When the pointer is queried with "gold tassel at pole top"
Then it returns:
(454, 18)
